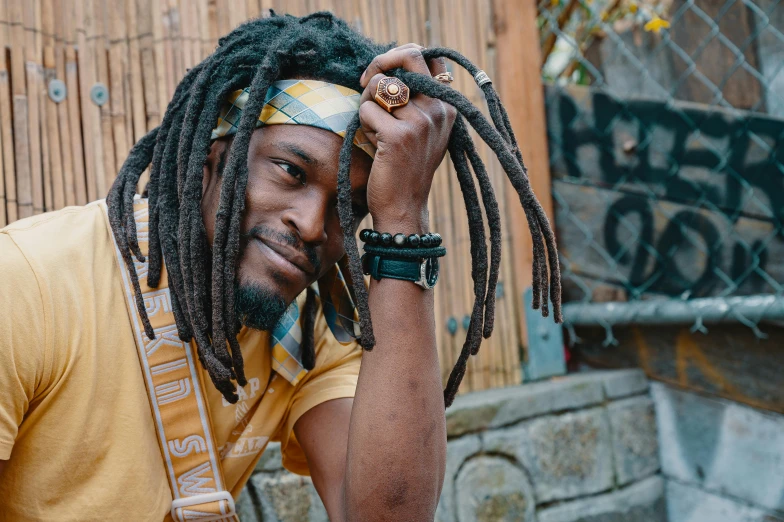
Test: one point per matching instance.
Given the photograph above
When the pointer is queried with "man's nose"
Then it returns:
(308, 219)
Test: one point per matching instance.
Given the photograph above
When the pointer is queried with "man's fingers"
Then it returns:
(409, 58)
(436, 65)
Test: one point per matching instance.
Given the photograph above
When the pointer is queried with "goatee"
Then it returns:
(258, 307)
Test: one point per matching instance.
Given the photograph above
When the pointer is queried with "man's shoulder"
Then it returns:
(53, 242)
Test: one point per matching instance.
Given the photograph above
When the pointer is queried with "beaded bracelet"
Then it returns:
(406, 253)
(385, 239)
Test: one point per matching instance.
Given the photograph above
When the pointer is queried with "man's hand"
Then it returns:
(411, 142)
(395, 447)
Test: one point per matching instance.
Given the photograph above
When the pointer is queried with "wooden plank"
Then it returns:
(75, 123)
(52, 128)
(90, 113)
(728, 361)
(666, 248)
(717, 65)
(118, 65)
(33, 75)
(102, 68)
(24, 182)
(66, 151)
(520, 89)
(682, 152)
(136, 80)
(9, 170)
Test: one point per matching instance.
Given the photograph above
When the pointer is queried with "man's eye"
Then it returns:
(294, 171)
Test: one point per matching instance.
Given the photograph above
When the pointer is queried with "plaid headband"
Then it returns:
(302, 102)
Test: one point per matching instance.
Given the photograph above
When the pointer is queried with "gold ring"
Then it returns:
(391, 93)
(444, 77)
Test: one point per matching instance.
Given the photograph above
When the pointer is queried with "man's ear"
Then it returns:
(216, 161)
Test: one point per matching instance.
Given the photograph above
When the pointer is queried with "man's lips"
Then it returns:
(286, 258)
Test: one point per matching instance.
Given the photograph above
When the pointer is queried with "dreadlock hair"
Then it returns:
(202, 278)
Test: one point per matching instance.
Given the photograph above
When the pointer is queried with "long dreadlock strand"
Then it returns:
(232, 203)
(308, 325)
(192, 155)
(498, 113)
(516, 174)
(478, 253)
(503, 126)
(346, 216)
(132, 168)
(494, 224)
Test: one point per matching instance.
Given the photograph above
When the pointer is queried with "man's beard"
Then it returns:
(258, 307)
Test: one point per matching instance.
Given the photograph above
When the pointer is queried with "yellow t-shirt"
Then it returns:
(75, 420)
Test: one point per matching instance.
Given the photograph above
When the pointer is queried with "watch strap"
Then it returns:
(379, 267)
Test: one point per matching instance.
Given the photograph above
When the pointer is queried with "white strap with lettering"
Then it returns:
(176, 393)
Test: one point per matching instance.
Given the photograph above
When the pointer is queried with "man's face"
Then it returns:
(290, 232)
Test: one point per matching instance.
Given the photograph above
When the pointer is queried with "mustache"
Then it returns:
(283, 238)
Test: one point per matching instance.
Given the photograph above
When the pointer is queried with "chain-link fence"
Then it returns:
(667, 157)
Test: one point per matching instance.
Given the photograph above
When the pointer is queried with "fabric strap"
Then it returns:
(176, 393)
(175, 387)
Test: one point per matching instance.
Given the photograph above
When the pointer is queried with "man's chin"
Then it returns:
(258, 307)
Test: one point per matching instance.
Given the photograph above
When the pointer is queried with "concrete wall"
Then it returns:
(581, 448)
(723, 462)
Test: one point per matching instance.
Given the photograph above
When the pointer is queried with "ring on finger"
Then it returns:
(444, 77)
(391, 93)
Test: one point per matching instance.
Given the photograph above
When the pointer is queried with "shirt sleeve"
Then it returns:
(333, 377)
(22, 338)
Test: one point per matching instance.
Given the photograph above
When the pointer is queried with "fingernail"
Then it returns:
(362, 78)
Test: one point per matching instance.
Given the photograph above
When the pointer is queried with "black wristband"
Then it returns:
(406, 253)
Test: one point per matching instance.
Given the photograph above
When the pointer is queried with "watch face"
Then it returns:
(431, 272)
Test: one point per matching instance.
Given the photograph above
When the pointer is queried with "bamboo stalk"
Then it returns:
(69, 192)
(117, 70)
(91, 118)
(62, 28)
(9, 171)
(135, 81)
(24, 182)
(106, 127)
(75, 113)
(53, 133)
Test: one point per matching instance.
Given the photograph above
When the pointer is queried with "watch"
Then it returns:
(423, 272)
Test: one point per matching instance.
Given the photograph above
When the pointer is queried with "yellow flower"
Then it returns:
(632, 8)
(656, 25)
(555, 3)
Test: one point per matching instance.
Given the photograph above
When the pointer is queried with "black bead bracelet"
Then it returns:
(385, 239)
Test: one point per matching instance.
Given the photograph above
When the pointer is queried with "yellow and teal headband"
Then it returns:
(301, 102)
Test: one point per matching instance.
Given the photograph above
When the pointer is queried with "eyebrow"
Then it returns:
(294, 149)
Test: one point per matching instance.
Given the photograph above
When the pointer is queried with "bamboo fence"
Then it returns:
(56, 154)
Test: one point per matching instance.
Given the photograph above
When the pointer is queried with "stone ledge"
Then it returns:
(634, 438)
(640, 502)
(721, 446)
(285, 497)
(686, 503)
(623, 383)
(504, 406)
(566, 456)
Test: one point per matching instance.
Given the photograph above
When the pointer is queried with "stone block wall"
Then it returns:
(722, 461)
(580, 448)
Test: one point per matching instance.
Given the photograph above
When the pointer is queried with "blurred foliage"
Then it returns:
(569, 29)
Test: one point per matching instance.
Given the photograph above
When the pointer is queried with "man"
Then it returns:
(242, 269)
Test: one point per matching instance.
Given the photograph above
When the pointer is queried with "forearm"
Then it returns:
(397, 438)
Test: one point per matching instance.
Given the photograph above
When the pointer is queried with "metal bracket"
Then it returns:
(57, 90)
(99, 94)
(545, 343)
